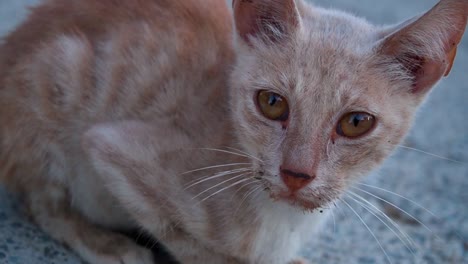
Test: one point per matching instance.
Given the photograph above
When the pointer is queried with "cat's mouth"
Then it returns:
(298, 201)
(307, 200)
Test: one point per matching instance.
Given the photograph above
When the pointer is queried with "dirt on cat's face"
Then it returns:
(322, 99)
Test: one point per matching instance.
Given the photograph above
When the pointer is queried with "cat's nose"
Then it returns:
(295, 180)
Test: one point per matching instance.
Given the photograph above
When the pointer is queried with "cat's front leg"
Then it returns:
(187, 250)
(49, 207)
(126, 156)
(299, 261)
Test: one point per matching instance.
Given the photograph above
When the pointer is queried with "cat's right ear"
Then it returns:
(269, 20)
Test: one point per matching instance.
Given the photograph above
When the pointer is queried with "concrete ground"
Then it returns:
(440, 233)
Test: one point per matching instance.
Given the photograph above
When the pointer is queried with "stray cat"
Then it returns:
(223, 144)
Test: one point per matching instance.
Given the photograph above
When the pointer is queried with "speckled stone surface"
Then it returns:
(22, 242)
(440, 186)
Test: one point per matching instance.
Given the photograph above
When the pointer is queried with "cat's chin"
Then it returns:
(297, 200)
(305, 201)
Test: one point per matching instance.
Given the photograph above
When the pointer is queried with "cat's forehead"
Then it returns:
(330, 46)
(333, 40)
(333, 57)
(337, 29)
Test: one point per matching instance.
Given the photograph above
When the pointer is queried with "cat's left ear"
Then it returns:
(271, 20)
(425, 47)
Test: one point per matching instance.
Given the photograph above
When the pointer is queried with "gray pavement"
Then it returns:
(438, 185)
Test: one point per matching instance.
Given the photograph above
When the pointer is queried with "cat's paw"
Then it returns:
(138, 255)
(299, 261)
(126, 253)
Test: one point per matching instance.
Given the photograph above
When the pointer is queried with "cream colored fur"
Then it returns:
(142, 114)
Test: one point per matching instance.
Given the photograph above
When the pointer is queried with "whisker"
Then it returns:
(328, 149)
(334, 221)
(245, 153)
(257, 193)
(225, 188)
(216, 185)
(373, 210)
(242, 186)
(342, 212)
(368, 228)
(217, 175)
(395, 206)
(409, 200)
(245, 197)
(401, 196)
(225, 151)
(216, 166)
(430, 154)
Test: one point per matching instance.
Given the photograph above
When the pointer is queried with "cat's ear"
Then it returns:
(270, 20)
(425, 47)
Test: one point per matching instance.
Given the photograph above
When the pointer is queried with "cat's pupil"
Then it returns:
(272, 100)
(356, 120)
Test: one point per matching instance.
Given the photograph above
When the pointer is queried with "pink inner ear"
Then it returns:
(245, 20)
(428, 75)
(426, 46)
(426, 72)
(263, 17)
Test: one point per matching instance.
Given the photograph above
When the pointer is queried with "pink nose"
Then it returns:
(295, 180)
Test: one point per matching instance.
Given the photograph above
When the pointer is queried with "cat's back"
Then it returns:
(112, 56)
(73, 64)
(94, 18)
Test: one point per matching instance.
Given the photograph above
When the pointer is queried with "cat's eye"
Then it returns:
(272, 105)
(355, 124)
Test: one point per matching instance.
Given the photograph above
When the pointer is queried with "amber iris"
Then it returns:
(273, 106)
(355, 124)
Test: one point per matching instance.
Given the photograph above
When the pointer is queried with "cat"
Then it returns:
(222, 134)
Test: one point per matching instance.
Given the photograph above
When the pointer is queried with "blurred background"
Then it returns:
(425, 195)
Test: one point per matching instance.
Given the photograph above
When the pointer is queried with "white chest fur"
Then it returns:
(283, 231)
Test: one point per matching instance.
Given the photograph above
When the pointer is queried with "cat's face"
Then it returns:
(321, 97)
